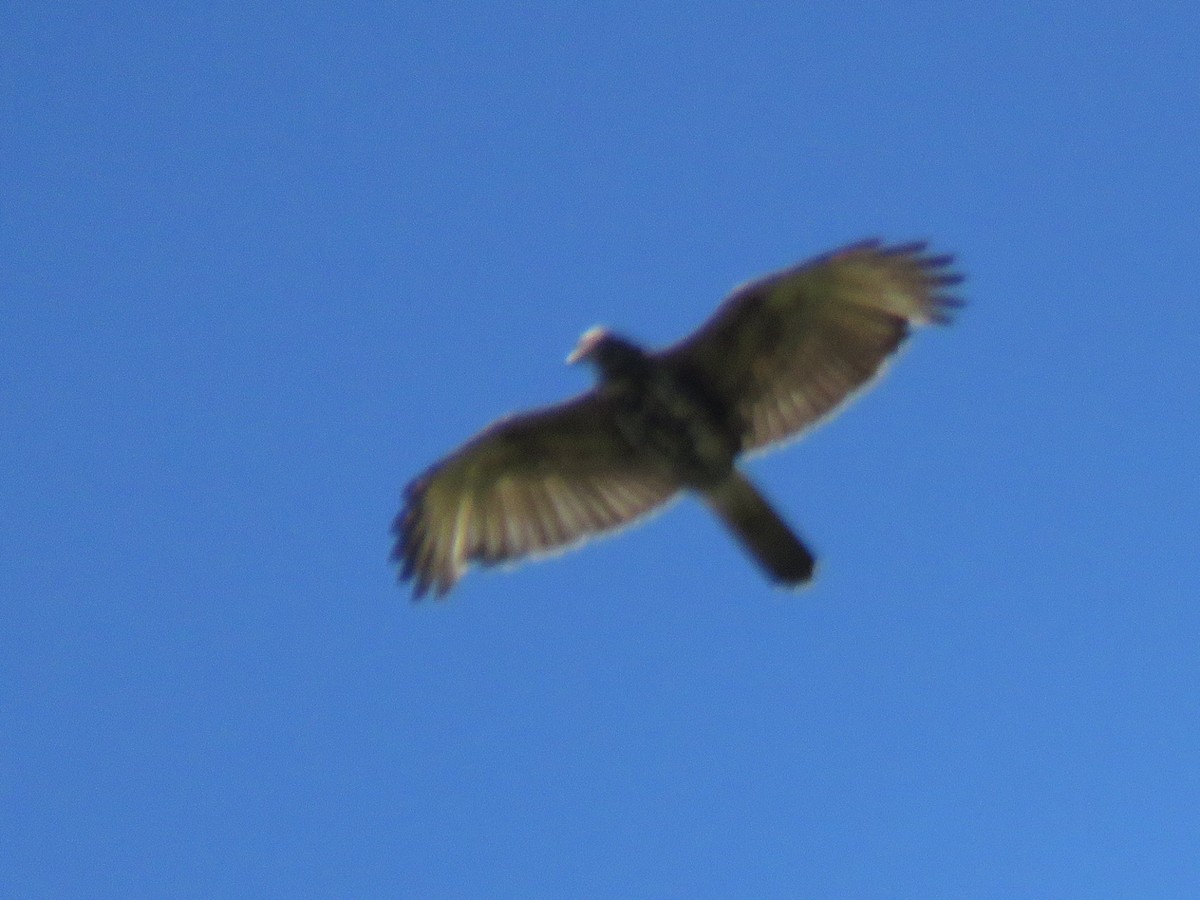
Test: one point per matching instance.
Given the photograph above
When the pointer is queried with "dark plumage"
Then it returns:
(780, 353)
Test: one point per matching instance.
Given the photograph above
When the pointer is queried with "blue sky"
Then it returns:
(262, 264)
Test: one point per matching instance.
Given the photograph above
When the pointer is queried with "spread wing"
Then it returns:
(787, 349)
(526, 485)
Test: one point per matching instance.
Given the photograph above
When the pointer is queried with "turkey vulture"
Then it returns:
(779, 354)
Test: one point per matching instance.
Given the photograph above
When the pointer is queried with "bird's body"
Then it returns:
(780, 353)
(664, 413)
(667, 414)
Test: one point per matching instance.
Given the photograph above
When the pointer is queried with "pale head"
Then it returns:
(591, 341)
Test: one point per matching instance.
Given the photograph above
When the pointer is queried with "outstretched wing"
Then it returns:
(785, 350)
(528, 484)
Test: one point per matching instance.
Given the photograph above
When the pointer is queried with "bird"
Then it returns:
(780, 354)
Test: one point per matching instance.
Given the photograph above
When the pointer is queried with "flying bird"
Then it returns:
(779, 354)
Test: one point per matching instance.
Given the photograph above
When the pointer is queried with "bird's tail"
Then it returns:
(760, 530)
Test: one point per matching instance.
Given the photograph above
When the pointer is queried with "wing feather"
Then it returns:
(527, 485)
(785, 350)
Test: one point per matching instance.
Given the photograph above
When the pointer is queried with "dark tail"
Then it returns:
(760, 530)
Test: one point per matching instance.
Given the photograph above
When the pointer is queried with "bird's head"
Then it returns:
(612, 355)
(591, 345)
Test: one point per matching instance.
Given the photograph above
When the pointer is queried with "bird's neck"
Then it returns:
(620, 360)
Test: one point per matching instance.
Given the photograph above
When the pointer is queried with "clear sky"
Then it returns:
(261, 264)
